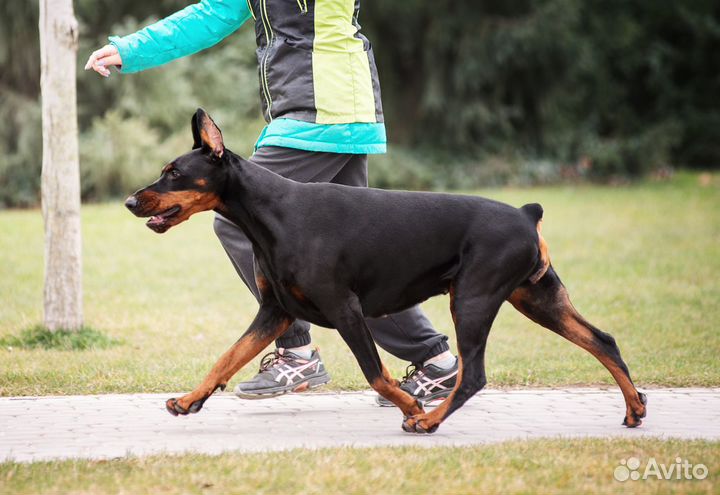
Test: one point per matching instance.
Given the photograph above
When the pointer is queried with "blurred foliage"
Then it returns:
(601, 87)
(475, 93)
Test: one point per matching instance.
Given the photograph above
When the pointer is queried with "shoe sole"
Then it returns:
(308, 384)
(424, 401)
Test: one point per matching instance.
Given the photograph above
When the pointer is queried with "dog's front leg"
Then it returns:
(270, 323)
(350, 322)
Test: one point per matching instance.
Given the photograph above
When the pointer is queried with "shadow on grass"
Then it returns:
(39, 337)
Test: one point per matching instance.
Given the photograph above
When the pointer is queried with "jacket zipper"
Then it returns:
(263, 66)
(303, 6)
(252, 12)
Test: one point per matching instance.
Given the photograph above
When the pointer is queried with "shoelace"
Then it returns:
(410, 373)
(271, 359)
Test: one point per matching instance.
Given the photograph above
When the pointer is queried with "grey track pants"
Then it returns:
(408, 335)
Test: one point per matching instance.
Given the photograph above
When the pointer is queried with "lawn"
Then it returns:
(550, 466)
(641, 262)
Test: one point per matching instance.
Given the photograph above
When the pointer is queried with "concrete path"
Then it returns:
(109, 426)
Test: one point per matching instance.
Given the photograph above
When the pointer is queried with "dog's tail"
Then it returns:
(534, 213)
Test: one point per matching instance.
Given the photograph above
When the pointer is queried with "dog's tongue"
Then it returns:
(156, 220)
(160, 221)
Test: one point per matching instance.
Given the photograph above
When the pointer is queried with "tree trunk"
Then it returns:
(60, 167)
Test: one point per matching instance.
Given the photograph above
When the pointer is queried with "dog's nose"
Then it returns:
(131, 202)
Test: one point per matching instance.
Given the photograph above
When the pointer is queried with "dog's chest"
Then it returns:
(294, 300)
(292, 295)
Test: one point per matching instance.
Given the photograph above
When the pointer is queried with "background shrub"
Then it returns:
(475, 93)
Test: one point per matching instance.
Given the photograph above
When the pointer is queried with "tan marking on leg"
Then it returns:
(517, 297)
(231, 361)
(583, 337)
(436, 416)
(392, 392)
(388, 376)
(302, 387)
(575, 329)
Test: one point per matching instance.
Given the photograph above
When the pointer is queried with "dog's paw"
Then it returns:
(408, 425)
(633, 419)
(417, 425)
(174, 407)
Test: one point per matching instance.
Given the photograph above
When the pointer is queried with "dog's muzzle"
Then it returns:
(131, 203)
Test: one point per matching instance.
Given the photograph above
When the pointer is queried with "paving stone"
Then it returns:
(111, 426)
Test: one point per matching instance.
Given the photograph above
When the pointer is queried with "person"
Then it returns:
(321, 100)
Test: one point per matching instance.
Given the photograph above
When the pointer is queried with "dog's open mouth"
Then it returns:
(158, 222)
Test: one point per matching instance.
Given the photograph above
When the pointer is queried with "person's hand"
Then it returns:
(101, 60)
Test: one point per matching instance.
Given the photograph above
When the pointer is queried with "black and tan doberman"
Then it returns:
(358, 252)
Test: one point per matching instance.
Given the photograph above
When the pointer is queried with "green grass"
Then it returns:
(641, 262)
(39, 337)
(545, 466)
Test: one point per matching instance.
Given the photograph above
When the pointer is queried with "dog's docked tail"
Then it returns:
(534, 212)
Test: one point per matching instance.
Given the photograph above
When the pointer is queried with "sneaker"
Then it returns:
(281, 372)
(426, 384)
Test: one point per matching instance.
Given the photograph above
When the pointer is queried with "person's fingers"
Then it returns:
(94, 56)
(108, 60)
(108, 55)
(105, 51)
(100, 68)
(90, 61)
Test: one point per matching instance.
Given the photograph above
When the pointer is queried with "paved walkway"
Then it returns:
(108, 426)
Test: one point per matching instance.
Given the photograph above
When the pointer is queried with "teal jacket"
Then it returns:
(319, 84)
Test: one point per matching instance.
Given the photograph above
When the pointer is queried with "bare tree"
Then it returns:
(60, 168)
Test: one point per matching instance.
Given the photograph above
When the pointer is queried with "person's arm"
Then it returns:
(188, 31)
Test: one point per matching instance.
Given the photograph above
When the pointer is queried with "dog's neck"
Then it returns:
(250, 200)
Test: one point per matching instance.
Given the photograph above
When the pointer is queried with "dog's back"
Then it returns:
(400, 246)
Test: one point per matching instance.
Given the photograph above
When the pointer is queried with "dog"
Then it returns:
(414, 245)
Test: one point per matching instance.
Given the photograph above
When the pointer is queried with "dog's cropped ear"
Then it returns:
(206, 134)
(197, 142)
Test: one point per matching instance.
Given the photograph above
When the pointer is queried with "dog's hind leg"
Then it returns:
(270, 323)
(548, 304)
(473, 309)
(350, 323)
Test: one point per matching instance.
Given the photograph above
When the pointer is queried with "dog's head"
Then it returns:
(187, 185)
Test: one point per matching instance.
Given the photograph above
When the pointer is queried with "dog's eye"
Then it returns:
(174, 173)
